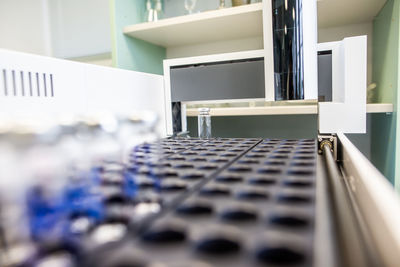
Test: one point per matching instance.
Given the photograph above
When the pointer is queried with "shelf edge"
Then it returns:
(219, 13)
(281, 110)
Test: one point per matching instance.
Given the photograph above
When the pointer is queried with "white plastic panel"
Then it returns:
(347, 112)
(268, 51)
(73, 87)
(122, 91)
(310, 40)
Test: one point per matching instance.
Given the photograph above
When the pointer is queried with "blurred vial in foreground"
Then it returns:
(96, 134)
(135, 129)
(32, 177)
(204, 123)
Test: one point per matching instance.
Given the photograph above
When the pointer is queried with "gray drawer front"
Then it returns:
(218, 81)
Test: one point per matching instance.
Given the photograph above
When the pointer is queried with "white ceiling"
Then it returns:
(333, 13)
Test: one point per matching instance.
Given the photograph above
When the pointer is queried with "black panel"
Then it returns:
(218, 81)
(288, 49)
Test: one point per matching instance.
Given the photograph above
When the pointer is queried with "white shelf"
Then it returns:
(343, 12)
(281, 110)
(379, 108)
(206, 27)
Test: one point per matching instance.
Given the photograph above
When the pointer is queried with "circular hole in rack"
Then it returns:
(240, 169)
(176, 158)
(294, 199)
(254, 155)
(198, 159)
(282, 151)
(219, 160)
(239, 213)
(269, 170)
(235, 150)
(145, 183)
(279, 156)
(297, 183)
(215, 190)
(275, 162)
(229, 178)
(171, 186)
(208, 154)
(189, 153)
(279, 256)
(218, 245)
(193, 176)
(305, 152)
(301, 157)
(302, 163)
(183, 166)
(248, 161)
(195, 208)
(252, 194)
(300, 172)
(261, 180)
(217, 149)
(199, 149)
(166, 232)
(158, 164)
(289, 220)
(207, 167)
(228, 155)
(261, 150)
(161, 173)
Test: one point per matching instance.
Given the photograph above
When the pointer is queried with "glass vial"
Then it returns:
(204, 123)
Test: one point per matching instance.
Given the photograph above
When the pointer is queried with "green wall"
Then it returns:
(385, 138)
(131, 53)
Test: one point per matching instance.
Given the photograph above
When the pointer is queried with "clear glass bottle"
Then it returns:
(158, 10)
(149, 14)
(204, 123)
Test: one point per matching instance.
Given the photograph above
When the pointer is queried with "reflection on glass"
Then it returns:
(288, 49)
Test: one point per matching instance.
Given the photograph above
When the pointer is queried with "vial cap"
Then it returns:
(204, 111)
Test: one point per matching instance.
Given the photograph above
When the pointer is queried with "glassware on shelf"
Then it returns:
(189, 5)
(221, 4)
(149, 15)
(240, 2)
(157, 10)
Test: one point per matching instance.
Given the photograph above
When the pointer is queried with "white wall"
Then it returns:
(59, 28)
(80, 27)
(339, 33)
(23, 26)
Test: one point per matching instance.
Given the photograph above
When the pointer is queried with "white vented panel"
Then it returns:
(37, 84)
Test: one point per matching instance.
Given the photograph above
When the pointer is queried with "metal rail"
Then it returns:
(351, 248)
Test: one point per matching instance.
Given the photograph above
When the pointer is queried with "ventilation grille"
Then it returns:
(26, 83)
